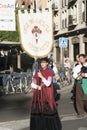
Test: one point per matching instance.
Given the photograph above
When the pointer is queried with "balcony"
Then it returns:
(71, 2)
(72, 20)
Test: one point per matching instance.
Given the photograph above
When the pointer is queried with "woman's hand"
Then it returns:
(39, 87)
(40, 75)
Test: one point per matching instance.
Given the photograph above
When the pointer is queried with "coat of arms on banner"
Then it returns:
(36, 32)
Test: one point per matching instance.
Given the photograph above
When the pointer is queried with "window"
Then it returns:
(63, 24)
(63, 3)
(86, 48)
(66, 2)
(56, 22)
(76, 50)
(64, 19)
(83, 11)
(73, 15)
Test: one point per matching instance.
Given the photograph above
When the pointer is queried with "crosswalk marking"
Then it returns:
(1, 128)
(14, 125)
(71, 117)
(82, 128)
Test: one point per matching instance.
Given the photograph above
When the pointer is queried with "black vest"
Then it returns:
(84, 69)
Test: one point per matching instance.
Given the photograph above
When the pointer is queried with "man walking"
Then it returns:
(79, 75)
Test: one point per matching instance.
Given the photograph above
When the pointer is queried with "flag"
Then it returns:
(36, 32)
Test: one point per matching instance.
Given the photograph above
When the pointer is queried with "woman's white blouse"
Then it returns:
(46, 82)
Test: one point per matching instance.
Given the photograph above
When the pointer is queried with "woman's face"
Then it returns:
(44, 64)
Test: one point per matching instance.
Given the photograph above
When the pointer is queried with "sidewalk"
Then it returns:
(66, 88)
(15, 125)
(24, 124)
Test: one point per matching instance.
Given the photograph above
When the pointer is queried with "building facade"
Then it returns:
(73, 25)
(70, 21)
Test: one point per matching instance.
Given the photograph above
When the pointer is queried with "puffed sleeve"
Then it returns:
(48, 81)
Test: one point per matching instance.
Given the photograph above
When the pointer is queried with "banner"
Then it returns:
(36, 32)
(7, 15)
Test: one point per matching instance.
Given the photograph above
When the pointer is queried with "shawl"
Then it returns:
(46, 94)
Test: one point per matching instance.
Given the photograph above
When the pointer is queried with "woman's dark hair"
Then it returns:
(44, 59)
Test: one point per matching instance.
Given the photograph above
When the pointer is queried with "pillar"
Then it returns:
(19, 61)
(54, 51)
(82, 45)
(71, 51)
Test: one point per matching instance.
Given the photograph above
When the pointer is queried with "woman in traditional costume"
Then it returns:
(44, 115)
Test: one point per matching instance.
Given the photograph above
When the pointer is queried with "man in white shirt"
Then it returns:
(73, 91)
(79, 75)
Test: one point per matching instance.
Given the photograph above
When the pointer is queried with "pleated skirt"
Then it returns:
(46, 120)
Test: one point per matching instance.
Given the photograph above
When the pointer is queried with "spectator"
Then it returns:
(67, 67)
(55, 79)
(77, 62)
(79, 76)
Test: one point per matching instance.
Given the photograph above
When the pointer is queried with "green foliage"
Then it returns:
(9, 36)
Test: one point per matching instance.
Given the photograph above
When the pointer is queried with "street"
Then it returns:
(69, 118)
(15, 109)
(37, 37)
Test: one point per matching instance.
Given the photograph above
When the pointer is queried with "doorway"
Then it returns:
(76, 50)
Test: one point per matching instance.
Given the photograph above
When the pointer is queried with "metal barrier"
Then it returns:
(65, 76)
(15, 82)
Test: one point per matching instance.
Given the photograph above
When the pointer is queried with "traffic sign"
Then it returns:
(63, 42)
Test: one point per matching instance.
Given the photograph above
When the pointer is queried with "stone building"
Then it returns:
(70, 21)
(73, 25)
